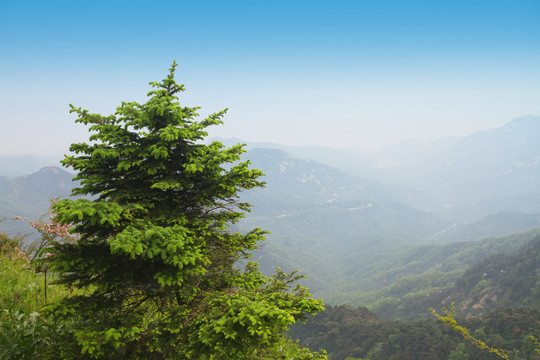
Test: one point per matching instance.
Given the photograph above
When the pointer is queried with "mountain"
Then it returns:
(502, 280)
(363, 241)
(20, 165)
(318, 239)
(337, 228)
(492, 166)
(464, 179)
(334, 157)
(29, 196)
(329, 225)
(479, 277)
(486, 165)
(316, 213)
(293, 179)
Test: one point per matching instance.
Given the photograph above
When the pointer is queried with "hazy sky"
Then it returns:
(353, 74)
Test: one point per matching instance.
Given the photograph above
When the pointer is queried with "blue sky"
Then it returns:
(354, 74)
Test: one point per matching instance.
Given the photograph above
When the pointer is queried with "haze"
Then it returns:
(349, 74)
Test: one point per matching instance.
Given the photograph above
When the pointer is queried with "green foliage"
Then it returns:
(451, 322)
(531, 344)
(10, 245)
(24, 330)
(355, 332)
(507, 278)
(154, 255)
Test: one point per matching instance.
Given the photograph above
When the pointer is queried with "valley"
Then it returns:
(396, 233)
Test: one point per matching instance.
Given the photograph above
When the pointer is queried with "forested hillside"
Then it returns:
(504, 279)
(497, 299)
(355, 333)
(351, 233)
(463, 178)
(372, 268)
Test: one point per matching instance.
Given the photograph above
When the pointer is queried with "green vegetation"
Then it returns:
(449, 320)
(498, 281)
(393, 279)
(347, 332)
(21, 296)
(497, 299)
(24, 329)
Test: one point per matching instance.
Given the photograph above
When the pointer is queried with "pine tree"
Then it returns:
(155, 255)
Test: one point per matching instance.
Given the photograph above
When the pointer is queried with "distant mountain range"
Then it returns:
(464, 179)
(21, 165)
(361, 236)
(29, 196)
(333, 226)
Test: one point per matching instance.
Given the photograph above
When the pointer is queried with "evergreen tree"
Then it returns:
(154, 256)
